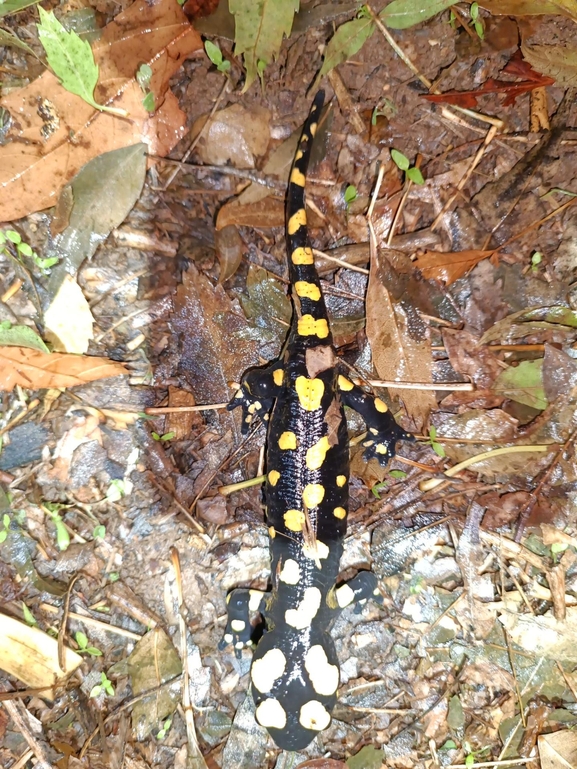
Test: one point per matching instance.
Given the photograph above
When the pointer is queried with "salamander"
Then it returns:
(295, 671)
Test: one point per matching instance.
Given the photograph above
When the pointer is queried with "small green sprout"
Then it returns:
(143, 78)
(29, 618)
(5, 527)
(105, 686)
(165, 437)
(62, 536)
(536, 260)
(378, 487)
(23, 249)
(449, 745)
(477, 20)
(116, 490)
(215, 55)
(83, 647)
(165, 727)
(114, 576)
(350, 194)
(386, 109)
(411, 172)
(99, 532)
(437, 448)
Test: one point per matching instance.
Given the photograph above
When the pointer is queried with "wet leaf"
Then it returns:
(559, 373)
(13, 6)
(34, 369)
(367, 758)
(530, 7)
(557, 61)
(104, 191)
(68, 320)
(523, 383)
(511, 326)
(20, 336)
(449, 267)
(558, 750)
(544, 635)
(346, 42)
(401, 14)
(41, 154)
(259, 31)
(9, 38)
(235, 136)
(262, 214)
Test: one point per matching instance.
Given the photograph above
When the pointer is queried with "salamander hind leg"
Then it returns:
(240, 604)
(358, 591)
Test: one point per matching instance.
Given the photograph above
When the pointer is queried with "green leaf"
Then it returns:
(22, 336)
(95, 691)
(415, 175)
(81, 640)
(167, 436)
(350, 194)
(398, 474)
(377, 488)
(6, 520)
(367, 758)
(213, 52)
(449, 745)
(400, 160)
(148, 102)
(474, 11)
(260, 26)
(62, 535)
(30, 619)
(346, 42)
(9, 38)
(470, 759)
(144, 75)
(99, 532)
(401, 14)
(3, 536)
(13, 6)
(558, 547)
(70, 58)
(438, 449)
(13, 236)
(523, 384)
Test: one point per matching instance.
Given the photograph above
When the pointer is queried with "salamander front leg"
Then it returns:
(241, 603)
(258, 389)
(382, 430)
(358, 591)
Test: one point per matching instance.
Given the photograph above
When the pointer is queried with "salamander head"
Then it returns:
(294, 677)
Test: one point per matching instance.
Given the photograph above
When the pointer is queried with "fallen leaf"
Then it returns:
(468, 356)
(68, 320)
(468, 99)
(523, 384)
(86, 428)
(399, 344)
(530, 7)
(557, 61)
(20, 336)
(558, 750)
(40, 157)
(345, 43)
(448, 267)
(544, 635)
(401, 14)
(262, 214)
(235, 135)
(34, 369)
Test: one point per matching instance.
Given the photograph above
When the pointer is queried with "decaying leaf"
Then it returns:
(235, 136)
(523, 384)
(34, 369)
(32, 656)
(68, 303)
(39, 156)
(262, 214)
(399, 344)
(556, 61)
(260, 27)
(449, 267)
(544, 635)
(528, 321)
(558, 750)
(530, 7)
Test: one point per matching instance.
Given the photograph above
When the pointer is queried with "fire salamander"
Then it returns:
(295, 672)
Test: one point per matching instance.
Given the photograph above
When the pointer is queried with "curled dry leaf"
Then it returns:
(34, 369)
(39, 157)
(558, 750)
(449, 267)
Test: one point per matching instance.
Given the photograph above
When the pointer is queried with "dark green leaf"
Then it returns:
(401, 14)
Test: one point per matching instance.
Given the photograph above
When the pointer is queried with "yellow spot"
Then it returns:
(308, 326)
(254, 599)
(313, 495)
(310, 392)
(278, 376)
(291, 572)
(340, 512)
(266, 670)
(345, 596)
(297, 220)
(306, 611)
(316, 454)
(287, 440)
(271, 714)
(341, 480)
(238, 625)
(302, 255)
(314, 715)
(317, 551)
(373, 431)
(380, 448)
(380, 405)
(368, 443)
(344, 383)
(273, 477)
(299, 155)
(294, 519)
(297, 177)
(313, 129)
(324, 676)
(308, 290)
(271, 532)
(256, 406)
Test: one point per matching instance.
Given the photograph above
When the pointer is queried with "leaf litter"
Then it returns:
(413, 677)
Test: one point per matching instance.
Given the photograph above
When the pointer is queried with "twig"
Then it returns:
(49, 609)
(178, 409)
(464, 386)
(341, 262)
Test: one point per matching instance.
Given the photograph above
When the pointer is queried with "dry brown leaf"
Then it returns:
(530, 7)
(557, 61)
(400, 347)
(35, 164)
(558, 750)
(448, 267)
(34, 369)
(263, 214)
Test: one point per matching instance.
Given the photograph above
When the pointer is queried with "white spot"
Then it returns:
(239, 645)
(324, 676)
(254, 599)
(316, 551)
(345, 596)
(291, 572)
(266, 670)
(306, 611)
(238, 625)
(315, 716)
(228, 638)
(270, 713)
